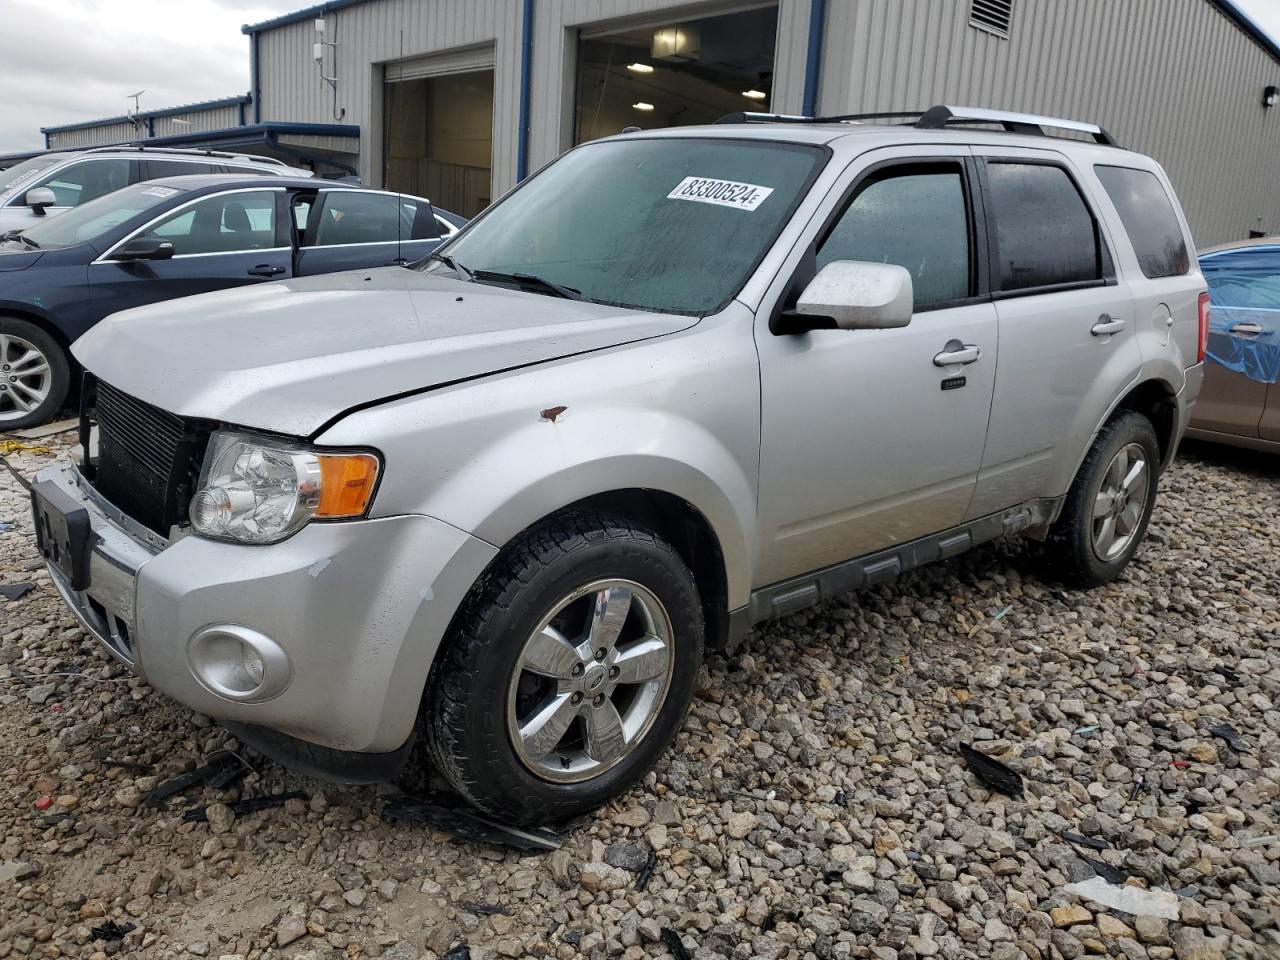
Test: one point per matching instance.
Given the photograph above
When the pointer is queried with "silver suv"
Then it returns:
(54, 182)
(678, 383)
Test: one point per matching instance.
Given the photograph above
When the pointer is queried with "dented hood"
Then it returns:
(290, 356)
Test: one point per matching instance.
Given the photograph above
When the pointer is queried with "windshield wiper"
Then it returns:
(529, 280)
(17, 235)
(452, 264)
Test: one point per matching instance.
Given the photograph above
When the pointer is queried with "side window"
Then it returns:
(224, 223)
(1247, 278)
(1044, 234)
(915, 217)
(1148, 218)
(156, 169)
(87, 180)
(353, 216)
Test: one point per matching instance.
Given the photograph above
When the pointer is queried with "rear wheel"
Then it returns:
(1110, 503)
(568, 671)
(34, 375)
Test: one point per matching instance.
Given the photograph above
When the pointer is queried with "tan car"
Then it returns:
(1240, 400)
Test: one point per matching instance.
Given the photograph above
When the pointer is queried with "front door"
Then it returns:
(1068, 338)
(222, 240)
(866, 441)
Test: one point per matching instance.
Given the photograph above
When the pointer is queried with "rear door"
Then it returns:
(1068, 346)
(1244, 342)
(351, 229)
(221, 240)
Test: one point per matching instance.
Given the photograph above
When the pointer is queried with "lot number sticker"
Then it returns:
(723, 193)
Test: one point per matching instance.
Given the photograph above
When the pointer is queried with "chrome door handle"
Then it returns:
(1250, 329)
(1106, 324)
(967, 354)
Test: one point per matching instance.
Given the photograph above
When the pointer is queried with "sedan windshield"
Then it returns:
(91, 220)
(21, 172)
(672, 224)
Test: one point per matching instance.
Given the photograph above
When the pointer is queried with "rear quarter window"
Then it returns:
(1149, 220)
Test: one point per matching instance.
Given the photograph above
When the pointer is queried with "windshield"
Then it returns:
(21, 172)
(91, 220)
(673, 225)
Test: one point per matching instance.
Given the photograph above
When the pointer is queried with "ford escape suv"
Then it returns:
(675, 384)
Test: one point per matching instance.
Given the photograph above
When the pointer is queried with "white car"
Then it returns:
(54, 182)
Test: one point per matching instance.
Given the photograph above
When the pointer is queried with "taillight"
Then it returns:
(1204, 327)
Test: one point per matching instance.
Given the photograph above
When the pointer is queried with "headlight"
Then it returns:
(262, 490)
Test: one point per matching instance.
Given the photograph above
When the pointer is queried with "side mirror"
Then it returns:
(38, 198)
(853, 295)
(144, 248)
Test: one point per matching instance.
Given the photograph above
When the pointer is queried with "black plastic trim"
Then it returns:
(327, 763)
(796, 593)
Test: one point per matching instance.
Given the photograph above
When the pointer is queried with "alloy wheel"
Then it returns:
(591, 681)
(25, 377)
(1120, 502)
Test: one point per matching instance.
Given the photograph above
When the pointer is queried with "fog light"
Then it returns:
(237, 663)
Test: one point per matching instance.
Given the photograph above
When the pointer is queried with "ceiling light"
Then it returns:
(754, 94)
(646, 107)
(639, 68)
(675, 43)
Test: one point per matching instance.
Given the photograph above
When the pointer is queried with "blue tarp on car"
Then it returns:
(1244, 290)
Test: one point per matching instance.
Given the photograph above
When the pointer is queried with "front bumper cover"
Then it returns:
(360, 608)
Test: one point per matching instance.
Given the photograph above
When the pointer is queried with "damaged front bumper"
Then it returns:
(347, 617)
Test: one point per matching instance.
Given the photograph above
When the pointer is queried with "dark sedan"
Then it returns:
(174, 238)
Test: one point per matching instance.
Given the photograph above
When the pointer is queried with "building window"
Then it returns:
(992, 16)
(675, 74)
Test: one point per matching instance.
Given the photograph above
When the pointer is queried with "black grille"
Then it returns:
(148, 459)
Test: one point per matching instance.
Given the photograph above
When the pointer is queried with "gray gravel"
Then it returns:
(814, 806)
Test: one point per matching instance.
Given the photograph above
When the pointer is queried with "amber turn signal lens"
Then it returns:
(346, 484)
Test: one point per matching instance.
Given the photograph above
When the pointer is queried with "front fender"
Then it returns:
(546, 466)
(678, 414)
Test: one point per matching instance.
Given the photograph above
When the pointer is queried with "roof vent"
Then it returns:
(993, 16)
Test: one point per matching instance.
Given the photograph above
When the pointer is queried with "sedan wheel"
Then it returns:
(26, 377)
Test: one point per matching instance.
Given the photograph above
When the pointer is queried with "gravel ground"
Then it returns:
(814, 806)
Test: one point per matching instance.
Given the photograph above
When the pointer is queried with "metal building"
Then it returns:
(459, 99)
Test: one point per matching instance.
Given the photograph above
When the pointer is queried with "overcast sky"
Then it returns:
(63, 61)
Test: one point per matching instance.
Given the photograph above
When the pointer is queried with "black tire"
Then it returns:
(1070, 550)
(466, 705)
(59, 376)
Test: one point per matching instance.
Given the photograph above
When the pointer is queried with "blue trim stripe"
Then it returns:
(152, 114)
(813, 56)
(526, 82)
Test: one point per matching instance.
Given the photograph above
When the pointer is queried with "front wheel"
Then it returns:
(567, 672)
(34, 375)
(1110, 503)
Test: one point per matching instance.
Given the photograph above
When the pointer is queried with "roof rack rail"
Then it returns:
(195, 151)
(937, 118)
